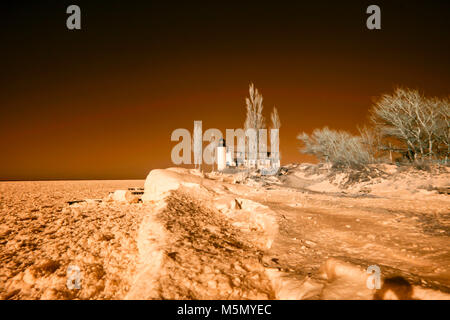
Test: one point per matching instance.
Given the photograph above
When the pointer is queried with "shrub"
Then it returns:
(340, 148)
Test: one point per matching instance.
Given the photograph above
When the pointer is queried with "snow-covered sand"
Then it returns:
(306, 234)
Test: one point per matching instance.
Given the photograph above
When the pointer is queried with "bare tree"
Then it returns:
(442, 134)
(393, 115)
(418, 123)
(275, 118)
(371, 140)
(254, 106)
(338, 147)
(255, 119)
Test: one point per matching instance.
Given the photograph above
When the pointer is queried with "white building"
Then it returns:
(239, 159)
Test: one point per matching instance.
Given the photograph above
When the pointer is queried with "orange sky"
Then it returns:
(101, 103)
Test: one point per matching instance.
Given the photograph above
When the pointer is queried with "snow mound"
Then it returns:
(124, 196)
(349, 281)
(160, 182)
(342, 280)
(188, 251)
(251, 217)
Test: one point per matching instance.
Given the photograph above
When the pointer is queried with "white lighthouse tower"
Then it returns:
(221, 155)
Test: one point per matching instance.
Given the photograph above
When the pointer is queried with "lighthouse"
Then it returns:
(221, 155)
